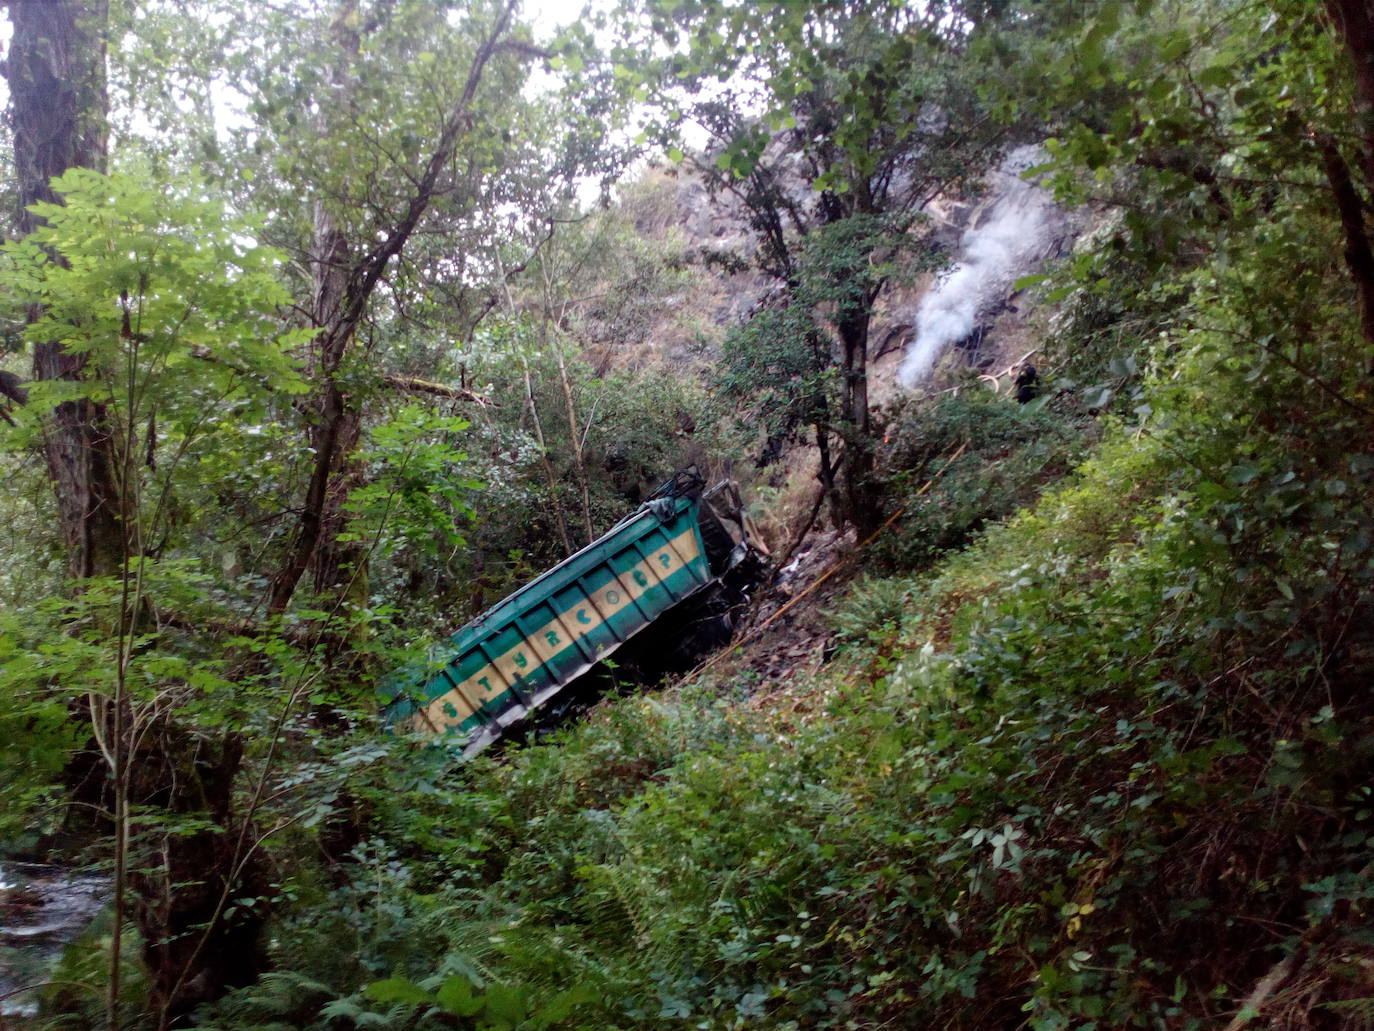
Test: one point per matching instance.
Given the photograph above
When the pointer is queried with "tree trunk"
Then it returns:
(575, 440)
(826, 474)
(192, 949)
(1359, 256)
(352, 280)
(1354, 22)
(861, 497)
(56, 74)
(559, 520)
(338, 427)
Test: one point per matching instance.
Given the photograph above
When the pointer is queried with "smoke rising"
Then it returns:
(1014, 231)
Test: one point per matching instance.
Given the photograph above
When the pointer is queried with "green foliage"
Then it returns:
(38, 739)
(831, 126)
(872, 611)
(961, 463)
(414, 497)
(72, 1000)
(783, 369)
(172, 307)
(170, 300)
(1103, 767)
(777, 373)
(634, 428)
(498, 1007)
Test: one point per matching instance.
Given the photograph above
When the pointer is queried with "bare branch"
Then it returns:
(423, 386)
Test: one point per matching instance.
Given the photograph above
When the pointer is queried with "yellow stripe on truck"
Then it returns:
(532, 652)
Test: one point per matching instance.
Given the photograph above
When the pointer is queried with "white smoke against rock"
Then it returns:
(1012, 233)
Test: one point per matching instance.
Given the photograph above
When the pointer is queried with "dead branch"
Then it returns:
(415, 385)
(835, 568)
(1254, 1002)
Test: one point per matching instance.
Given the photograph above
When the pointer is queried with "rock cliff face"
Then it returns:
(970, 316)
(1008, 232)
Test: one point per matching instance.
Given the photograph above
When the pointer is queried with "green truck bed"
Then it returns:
(519, 654)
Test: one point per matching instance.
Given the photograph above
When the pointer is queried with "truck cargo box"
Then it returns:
(496, 671)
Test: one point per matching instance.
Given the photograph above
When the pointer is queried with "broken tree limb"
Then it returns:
(810, 521)
(834, 568)
(416, 385)
(1263, 991)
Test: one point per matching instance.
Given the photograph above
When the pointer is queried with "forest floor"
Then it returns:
(787, 630)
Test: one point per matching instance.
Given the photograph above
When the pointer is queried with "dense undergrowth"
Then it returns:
(1107, 767)
(1096, 749)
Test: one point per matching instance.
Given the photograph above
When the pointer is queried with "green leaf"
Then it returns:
(507, 1004)
(1217, 75)
(398, 990)
(1175, 46)
(560, 1007)
(455, 996)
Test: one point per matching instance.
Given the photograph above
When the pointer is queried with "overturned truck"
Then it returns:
(687, 551)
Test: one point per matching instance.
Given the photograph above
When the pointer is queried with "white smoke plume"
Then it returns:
(1009, 238)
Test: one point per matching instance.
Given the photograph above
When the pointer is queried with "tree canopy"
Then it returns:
(327, 324)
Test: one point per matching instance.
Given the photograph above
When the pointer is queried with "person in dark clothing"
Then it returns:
(1027, 384)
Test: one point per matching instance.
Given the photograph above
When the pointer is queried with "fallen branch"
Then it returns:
(1260, 994)
(996, 377)
(835, 568)
(821, 495)
(425, 386)
(413, 384)
(805, 529)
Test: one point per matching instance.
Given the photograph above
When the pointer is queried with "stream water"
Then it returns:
(42, 909)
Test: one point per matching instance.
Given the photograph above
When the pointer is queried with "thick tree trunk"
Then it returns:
(861, 497)
(1354, 22)
(192, 949)
(336, 428)
(339, 424)
(56, 74)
